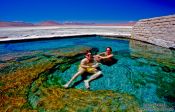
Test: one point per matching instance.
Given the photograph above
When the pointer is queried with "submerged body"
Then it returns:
(106, 58)
(90, 65)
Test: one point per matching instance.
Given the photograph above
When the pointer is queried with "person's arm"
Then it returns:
(99, 56)
(95, 65)
(83, 64)
(103, 53)
(106, 57)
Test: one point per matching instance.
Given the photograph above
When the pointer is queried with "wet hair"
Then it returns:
(109, 48)
(88, 51)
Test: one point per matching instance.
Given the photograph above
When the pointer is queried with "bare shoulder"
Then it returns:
(111, 55)
(84, 60)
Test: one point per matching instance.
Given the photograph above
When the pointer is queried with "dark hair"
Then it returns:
(88, 51)
(109, 48)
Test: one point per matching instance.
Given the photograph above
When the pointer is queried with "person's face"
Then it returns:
(108, 51)
(89, 56)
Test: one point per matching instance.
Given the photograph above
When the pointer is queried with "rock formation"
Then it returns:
(159, 31)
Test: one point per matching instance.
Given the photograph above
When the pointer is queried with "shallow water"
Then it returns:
(144, 71)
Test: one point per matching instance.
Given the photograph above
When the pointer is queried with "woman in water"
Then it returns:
(106, 58)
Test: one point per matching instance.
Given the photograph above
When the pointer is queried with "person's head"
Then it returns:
(88, 55)
(108, 50)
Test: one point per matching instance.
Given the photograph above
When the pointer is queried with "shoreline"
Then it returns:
(24, 34)
(8, 34)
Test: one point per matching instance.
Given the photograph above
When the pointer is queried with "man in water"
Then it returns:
(106, 57)
(88, 64)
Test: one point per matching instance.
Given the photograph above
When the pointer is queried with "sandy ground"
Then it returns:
(21, 33)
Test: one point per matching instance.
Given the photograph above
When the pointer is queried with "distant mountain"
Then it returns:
(48, 23)
(53, 23)
(14, 24)
(102, 24)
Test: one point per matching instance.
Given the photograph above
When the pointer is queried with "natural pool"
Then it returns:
(32, 74)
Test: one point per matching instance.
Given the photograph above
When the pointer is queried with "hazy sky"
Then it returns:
(84, 10)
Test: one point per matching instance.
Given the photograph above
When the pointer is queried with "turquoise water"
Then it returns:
(52, 44)
(143, 70)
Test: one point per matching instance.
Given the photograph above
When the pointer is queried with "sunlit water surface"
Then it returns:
(143, 70)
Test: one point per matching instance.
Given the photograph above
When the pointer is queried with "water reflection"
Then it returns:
(161, 78)
(143, 73)
(163, 56)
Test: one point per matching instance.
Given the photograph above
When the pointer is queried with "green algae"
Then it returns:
(78, 100)
(153, 53)
(45, 82)
(31, 81)
(166, 89)
(38, 80)
(18, 76)
(2, 84)
(54, 98)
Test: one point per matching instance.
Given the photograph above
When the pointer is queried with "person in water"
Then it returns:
(88, 64)
(106, 58)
